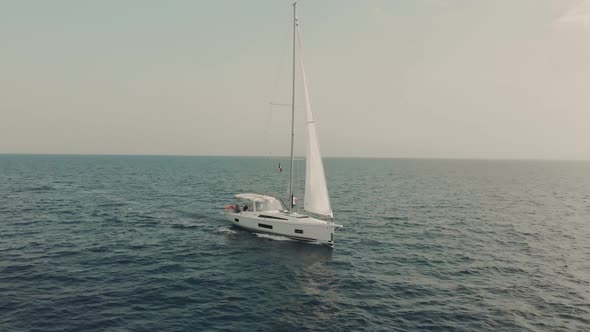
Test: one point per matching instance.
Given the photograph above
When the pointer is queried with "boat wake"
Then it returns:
(273, 237)
(225, 230)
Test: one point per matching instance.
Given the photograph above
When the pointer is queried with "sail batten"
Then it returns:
(317, 199)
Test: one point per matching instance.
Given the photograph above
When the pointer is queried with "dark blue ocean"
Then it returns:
(135, 243)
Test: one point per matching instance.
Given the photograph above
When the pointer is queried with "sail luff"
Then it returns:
(317, 199)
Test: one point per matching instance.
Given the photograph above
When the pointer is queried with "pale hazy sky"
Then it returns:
(404, 78)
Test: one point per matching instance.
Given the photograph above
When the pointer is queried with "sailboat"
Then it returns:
(268, 214)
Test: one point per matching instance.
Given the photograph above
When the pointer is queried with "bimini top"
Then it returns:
(255, 197)
(263, 202)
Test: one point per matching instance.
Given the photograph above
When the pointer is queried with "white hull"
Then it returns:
(294, 226)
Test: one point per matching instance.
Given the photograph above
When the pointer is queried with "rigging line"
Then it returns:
(281, 64)
(284, 104)
(267, 132)
(282, 57)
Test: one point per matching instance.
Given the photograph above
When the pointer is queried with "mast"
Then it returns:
(292, 110)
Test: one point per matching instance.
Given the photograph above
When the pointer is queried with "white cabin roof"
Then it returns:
(255, 197)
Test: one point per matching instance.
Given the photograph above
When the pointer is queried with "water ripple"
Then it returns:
(94, 243)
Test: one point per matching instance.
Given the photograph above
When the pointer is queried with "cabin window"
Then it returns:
(236, 220)
(299, 231)
(265, 226)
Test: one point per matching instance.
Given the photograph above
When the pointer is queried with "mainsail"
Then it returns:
(317, 199)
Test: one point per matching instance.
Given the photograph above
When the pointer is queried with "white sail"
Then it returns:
(317, 199)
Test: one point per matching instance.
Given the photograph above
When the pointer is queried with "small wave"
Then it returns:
(225, 230)
(184, 224)
(273, 237)
(396, 218)
(40, 188)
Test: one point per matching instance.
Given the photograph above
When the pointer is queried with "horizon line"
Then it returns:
(286, 157)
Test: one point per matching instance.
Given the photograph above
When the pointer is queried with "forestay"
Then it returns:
(317, 199)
